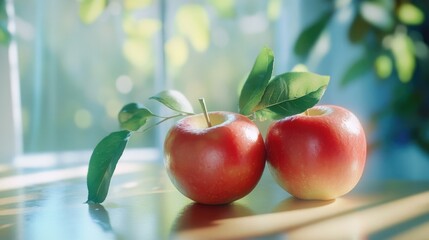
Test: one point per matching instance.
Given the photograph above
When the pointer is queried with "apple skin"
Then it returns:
(218, 164)
(319, 156)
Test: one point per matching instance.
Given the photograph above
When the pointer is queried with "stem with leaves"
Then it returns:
(262, 96)
(132, 118)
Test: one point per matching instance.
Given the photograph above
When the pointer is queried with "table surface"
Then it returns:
(45, 200)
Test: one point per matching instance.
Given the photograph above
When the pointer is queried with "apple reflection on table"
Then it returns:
(237, 220)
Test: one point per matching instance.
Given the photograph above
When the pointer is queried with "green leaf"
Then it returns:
(383, 66)
(410, 14)
(4, 34)
(257, 81)
(140, 29)
(358, 29)
(138, 52)
(378, 14)
(274, 9)
(293, 92)
(193, 22)
(224, 8)
(90, 10)
(402, 47)
(136, 4)
(103, 163)
(356, 69)
(174, 100)
(311, 34)
(133, 116)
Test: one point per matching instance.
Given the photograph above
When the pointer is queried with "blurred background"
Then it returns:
(67, 67)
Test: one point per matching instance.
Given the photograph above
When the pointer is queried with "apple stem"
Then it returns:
(206, 115)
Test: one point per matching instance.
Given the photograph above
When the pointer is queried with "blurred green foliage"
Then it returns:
(4, 32)
(80, 61)
(395, 38)
(91, 9)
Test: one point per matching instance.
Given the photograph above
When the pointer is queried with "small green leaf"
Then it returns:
(193, 22)
(311, 34)
(257, 81)
(90, 10)
(4, 34)
(356, 69)
(293, 92)
(103, 163)
(174, 100)
(383, 66)
(410, 14)
(133, 116)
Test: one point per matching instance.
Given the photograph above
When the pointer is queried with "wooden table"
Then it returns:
(44, 199)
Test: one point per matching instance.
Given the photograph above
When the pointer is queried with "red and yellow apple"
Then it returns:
(217, 164)
(318, 155)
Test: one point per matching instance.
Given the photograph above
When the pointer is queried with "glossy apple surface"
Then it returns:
(218, 164)
(318, 156)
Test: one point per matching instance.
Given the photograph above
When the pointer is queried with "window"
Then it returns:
(75, 76)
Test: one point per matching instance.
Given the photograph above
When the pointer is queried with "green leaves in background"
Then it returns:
(4, 33)
(224, 8)
(103, 163)
(133, 116)
(193, 22)
(356, 69)
(383, 66)
(136, 4)
(309, 36)
(274, 9)
(90, 10)
(175, 101)
(358, 29)
(254, 87)
(410, 14)
(285, 95)
(292, 93)
(395, 43)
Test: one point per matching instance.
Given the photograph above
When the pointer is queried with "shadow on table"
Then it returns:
(236, 220)
(196, 215)
(100, 216)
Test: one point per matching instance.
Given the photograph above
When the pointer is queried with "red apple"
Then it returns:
(217, 164)
(319, 155)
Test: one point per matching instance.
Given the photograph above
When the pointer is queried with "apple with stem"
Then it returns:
(216, 157)
(317, 155)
